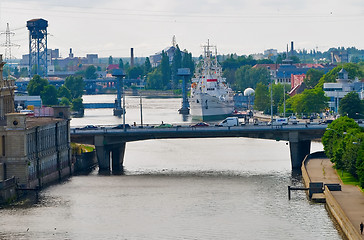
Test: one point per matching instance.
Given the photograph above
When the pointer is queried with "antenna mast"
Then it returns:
(8, 43)
(174, 43)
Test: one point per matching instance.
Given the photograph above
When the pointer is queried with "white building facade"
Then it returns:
(337, 91)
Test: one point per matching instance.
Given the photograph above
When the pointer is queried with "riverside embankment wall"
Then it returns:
(331, 204)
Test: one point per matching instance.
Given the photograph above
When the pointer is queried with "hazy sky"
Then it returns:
(112, 27)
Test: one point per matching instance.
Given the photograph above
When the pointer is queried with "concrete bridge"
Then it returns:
(109, 140)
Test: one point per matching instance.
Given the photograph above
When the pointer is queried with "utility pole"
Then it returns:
(284, 94)
(8, 43)
(271, 101)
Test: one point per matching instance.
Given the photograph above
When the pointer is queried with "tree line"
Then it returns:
(312, 99)
(343, 144)
(69, 94)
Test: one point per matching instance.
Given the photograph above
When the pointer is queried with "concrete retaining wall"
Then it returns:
(335, 209)
(332, 205)
(305, 176)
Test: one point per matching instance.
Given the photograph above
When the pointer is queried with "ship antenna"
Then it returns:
(216, 55)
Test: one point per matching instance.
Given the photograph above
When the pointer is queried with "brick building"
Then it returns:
(34, 150)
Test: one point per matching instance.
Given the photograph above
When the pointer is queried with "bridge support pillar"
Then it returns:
(118, 158)
(103, 154)
(299, 150)
(103, 158)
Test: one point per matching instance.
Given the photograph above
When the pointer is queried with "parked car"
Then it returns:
(292, 120)
(27, 112)
(200, 124)
(164, 125)
(121, 126)
(87, 127)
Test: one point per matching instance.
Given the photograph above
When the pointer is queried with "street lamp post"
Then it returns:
(141, 104)
(284, 94)
(271, 101)
(124, 106)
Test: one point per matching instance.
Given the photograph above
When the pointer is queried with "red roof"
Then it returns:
(112, 66)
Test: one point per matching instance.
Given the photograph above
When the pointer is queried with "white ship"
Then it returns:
(211, 97)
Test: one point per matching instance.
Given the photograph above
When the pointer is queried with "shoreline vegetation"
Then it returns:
(348, 178)
(78, 149)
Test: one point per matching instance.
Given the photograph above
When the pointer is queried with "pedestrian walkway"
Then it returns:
(350, 198)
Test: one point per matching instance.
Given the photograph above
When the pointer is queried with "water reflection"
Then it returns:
(228, 188)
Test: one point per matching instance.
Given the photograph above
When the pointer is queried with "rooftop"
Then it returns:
(40, 121)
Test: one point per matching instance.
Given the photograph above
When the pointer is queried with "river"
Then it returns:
(228, 188)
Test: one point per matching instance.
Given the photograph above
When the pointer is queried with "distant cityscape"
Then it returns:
(288, 68)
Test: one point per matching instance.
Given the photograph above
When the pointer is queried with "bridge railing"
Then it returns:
(190, 127)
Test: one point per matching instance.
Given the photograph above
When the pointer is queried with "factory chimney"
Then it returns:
(132, 57)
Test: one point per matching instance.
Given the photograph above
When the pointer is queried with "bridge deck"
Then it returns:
(286, 132)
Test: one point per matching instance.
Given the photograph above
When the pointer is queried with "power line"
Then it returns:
(8, 43)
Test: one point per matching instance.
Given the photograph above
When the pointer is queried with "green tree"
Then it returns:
(23, 72)
(246, 76)
(279, 94)
(65, 102)
(121, 64)
(229, 74)
(49, 95)
(176, 63)
(314, 101)
(187, 61)
(147, 66)
(360, 161)
(90, 72)
(294, 59)
(36, 85)
(310, 101)
(111, 61)
(341, 144)
(313, 77)
(16, 72)
(126, 66)
(350, 105)
(77, 104)
(355, 59)
(76, 85)
(63, 91)
(165, 70)
(154, 79)
(135, 72)
(262, 98)
(353, 70)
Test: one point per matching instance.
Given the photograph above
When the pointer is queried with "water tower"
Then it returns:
(37, 46)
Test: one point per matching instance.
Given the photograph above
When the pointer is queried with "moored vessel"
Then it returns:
(211, 97)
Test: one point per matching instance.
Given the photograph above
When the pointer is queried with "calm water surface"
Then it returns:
(231, 188)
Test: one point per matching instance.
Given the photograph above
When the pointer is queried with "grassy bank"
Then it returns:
(348, 179)
(77, 148)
